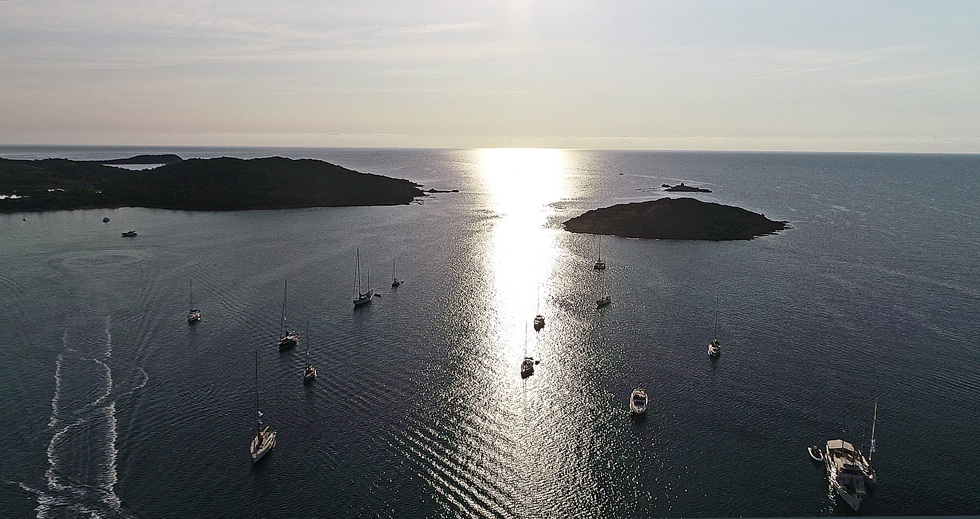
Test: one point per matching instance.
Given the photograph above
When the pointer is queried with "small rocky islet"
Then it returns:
(675, 219)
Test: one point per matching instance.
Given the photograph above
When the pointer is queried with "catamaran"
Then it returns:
(194, 315)
(265, 436)
(849, 472)
(289, 339)
(361, 298)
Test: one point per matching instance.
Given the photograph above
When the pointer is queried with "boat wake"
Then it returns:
(81, 454)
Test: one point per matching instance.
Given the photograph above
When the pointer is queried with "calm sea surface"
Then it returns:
(112, 406)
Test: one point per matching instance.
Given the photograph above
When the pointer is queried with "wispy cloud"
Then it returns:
(419, 30)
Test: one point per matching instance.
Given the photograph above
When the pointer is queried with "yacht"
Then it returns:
(639, 401)
(194, 315)
(129, 234)
(310, 372)
(714, 348)
(527, 365)
(394, 281)
(361, 298)
(288, 339)
(603, 301)
(539, 319)
(265, 436)
(849, 472)
(599, 264)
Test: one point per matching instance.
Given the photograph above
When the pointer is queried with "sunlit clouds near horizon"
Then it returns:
(833, 76)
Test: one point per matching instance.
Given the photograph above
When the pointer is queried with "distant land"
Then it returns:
(218, 184)
(675, 219)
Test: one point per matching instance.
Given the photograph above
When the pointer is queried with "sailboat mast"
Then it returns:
(873, 421)
(357, 288)
(282, 319)
(258, 421)
(192, 294)
(308, 341)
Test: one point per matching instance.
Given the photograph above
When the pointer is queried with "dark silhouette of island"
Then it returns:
(168, 158)
(675, 219)
(218, 184)
(681, 188)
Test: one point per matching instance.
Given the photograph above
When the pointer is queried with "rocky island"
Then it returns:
(675, 219)
(219, 184)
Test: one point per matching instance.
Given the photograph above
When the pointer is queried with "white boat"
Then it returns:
(848, 471)
(639, 401)
(394, 281)
(714, 348)
(287, 339)
(599, 264)
(527, 365)
(815, 453)
(538, 319)
(265, 435)
(129, 234)
(194, 315)
(310, 372)
(361, 298)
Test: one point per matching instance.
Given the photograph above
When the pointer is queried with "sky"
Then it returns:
(603, 74)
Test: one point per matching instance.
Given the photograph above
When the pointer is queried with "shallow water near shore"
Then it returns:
(115, 407)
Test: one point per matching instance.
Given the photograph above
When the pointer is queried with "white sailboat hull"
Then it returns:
(260, 449)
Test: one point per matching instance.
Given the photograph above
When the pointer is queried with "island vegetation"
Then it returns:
(675, 219)
(218, 184)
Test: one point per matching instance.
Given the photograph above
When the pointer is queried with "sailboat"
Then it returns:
(310, 373)
(527, 365)
(394, 281)
(194, 315)
(289, 339)
(265, 436)
(714, 347)
(849, 472)
(539, 319)
(599, 264)
(604, 300)
(361, 298)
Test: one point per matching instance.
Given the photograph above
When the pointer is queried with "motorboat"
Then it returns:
(106, 219)
(603, 301)
(714, 348)
(129, 234)
(638, 401)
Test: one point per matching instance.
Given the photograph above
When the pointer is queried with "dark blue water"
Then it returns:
(113, 406)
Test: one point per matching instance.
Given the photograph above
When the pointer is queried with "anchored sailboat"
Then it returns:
(538, 319)
(599, 264)
(265, 436)
(194, 315)
(289, 339)
(361, 298)
(527, 365)
(310, 372)
(849, 472)
(394, 281)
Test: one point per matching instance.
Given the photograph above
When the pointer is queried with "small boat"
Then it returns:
(394, 281)
(129, 234)
(106, 219)
(603, 301)
(288, 339)
(714, 348)
(310, 372)
(265, 436)
(361, 298)
(194, 315)
(638, 401)
(527, 365)
(815, 453)
(539, 319)
(599, 264)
